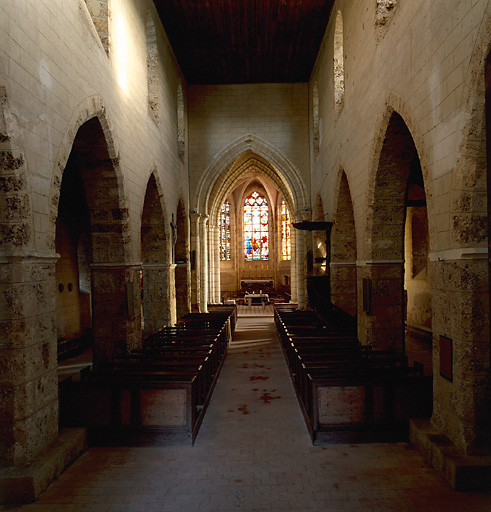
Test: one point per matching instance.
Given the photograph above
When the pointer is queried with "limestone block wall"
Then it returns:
(58, 70)
(425, 63)
(221, 114)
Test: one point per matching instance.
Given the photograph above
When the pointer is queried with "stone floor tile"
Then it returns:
(253, 453)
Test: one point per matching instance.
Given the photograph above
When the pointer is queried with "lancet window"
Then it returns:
(256, 224)
(225, 232)
(286, 247)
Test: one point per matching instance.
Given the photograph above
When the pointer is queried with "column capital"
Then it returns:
(159, 266)
(19, 256)
(115, 265)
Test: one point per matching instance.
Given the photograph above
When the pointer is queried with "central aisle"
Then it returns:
(253, 453)
(254, 408)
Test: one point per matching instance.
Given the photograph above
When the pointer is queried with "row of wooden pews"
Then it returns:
(349, 392)
(159, 391)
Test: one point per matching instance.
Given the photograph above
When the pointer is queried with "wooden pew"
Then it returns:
(349, 392)
(160, 391)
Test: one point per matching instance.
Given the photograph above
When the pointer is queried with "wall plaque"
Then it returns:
(446, 357)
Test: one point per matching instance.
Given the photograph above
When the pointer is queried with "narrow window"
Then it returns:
(286, 248)
(99, 12)
(256, 246)
(181, 127)
(338, 65)
(153, 82)
(315, 119)
(384, 13)
(225, 232)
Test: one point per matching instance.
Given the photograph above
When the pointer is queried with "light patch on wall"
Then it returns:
(44, 75)
(121, 53)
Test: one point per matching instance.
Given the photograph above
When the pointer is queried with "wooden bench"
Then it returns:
(159, 391)
(349, 392)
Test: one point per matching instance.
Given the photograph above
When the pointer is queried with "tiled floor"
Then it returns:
(253, 453)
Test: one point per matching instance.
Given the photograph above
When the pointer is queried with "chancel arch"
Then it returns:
(229, 171)
(257, 231)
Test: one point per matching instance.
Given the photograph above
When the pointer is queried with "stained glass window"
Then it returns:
(225, 231)
(256, 240)
(286, 246)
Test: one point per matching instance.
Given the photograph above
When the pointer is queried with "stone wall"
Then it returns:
(275, 113)
(423, 61)
(77, 72)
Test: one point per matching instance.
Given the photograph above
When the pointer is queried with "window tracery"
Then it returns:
(286, 250)
(256, 225)
(225, 246)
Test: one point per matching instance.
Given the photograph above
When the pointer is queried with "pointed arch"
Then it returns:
(344, 250)
(154, 235)
(93, 111)
(397, 156)
(90, 149)
(395, 105)
(278, 167)
(155, 258)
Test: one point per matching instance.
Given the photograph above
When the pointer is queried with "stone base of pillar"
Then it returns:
(463, 472)
(24, 484)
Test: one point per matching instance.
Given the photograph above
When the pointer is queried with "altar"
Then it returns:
(256, 298)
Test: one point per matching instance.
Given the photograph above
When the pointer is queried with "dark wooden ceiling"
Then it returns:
(245, 41)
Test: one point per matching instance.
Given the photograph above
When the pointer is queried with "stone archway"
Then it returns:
(251, 173)
(343, 251)
(115, 281)
(217, 171)
(156, 265)
(217, 182)
(382, 315)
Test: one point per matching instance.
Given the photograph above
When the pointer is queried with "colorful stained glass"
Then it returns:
(225, 232)
(286, 246)
(256, 236)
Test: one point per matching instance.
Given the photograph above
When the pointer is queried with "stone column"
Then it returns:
(343, 286)
(301, 266)
(460, 304)
(183, 287)
(211, 259)
(218, 285)
(28, 356)
(215, 295)
(116, 309)
(204, 263)
(195, 261)
(159, 296)
(381, 304)
(293, 267)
